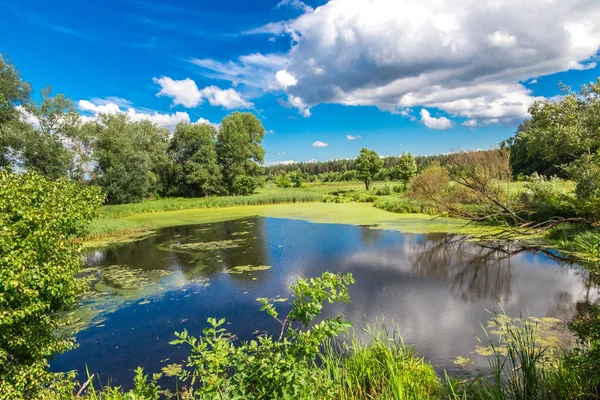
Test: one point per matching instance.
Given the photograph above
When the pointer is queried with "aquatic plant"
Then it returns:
(243, 269)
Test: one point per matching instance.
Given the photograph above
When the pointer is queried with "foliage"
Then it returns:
(14, 92)
(128, 155)
(283, 181)
(384, 190)
(559, 132)
(522, 366)
(379, 366)
(368, 164)
(297, 178)
(239, 149)
(195, 171)
(144, 388)
(244, 185)
(38, 267)
(430, 185)
(268, 367)
(545, 198)
(406, 167)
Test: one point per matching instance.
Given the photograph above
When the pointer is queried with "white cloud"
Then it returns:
(286, 162)
(284, 79)
(318, 143)
(463, 57)
(501, 39)
(184, 92)
(95, 107)
(295, 4)
(312, 160)
(281, 153)
(252, 70)
(440, 123)
(350, 137)
(226, 98)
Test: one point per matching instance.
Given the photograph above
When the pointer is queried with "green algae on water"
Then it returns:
(209, 246)
(243, 269)
(127, 278)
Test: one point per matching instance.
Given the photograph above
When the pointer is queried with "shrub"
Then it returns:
(543, 198)
(384, 190)
(399, 188)
(243, 185)
(269, 367)
(39, 262)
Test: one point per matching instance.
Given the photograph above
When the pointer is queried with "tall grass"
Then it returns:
(521, 369)
(378, 365)
(267, 196)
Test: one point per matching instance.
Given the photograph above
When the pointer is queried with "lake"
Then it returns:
(437, 288)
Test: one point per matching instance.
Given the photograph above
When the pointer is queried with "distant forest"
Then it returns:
(343, 165)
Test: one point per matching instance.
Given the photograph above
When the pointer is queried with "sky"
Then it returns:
(326, 78)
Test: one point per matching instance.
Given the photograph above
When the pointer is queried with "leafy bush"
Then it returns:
(283, 182)
(268, 367)
(399, 188)
(39, 262)
(243, 185)
(384, 190)
(544, 199)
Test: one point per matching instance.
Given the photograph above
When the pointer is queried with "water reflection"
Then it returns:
(436, 287)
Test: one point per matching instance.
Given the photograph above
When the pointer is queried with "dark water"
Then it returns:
(435, 287)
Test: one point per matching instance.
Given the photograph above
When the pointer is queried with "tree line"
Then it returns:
(335, 169)
(130, 160)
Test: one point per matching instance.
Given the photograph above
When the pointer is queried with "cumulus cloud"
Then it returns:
(440, 123)
(92, 108)
(284, 79)
(350, 137)
(318, 143)
(463, 57)
(185, 92)
(281, 153)
(228, 98)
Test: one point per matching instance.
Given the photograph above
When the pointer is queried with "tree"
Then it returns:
(406, 167)
(559, 132)
(239, 149)
(39, 264)
(14, 95)
(197, 172)
(368, 164)
(128, 157)
(45, 134)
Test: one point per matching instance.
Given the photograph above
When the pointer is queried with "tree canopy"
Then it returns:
(368, 165)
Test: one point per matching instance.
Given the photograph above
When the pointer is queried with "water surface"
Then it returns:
(436, 287)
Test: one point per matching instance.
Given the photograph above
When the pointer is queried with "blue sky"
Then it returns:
(392, 75)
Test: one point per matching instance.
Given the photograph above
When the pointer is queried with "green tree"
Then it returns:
(368, 165)
(559, 132)
(239, 148)
(14, 96)
(197, 172)
(128, 157)
(406, 167)
(39, 263)
(46, 134)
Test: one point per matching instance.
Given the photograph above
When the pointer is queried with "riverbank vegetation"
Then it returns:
(308, 358)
